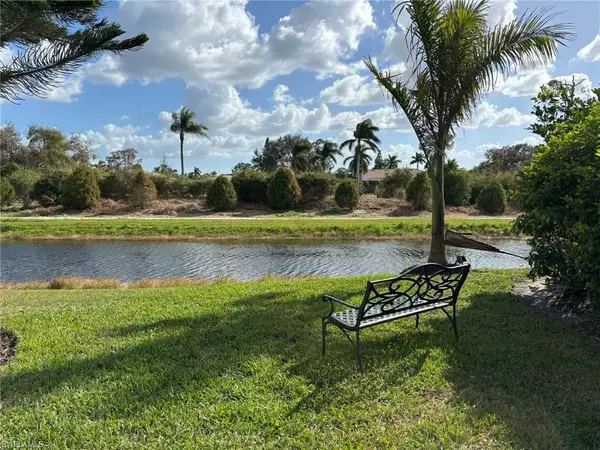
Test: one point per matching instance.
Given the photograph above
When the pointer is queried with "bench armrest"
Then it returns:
(333, 301)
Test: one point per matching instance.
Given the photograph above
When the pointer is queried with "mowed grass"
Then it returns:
(240, 228)
(238, 365)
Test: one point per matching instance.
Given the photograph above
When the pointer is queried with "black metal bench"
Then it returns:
(418, 290)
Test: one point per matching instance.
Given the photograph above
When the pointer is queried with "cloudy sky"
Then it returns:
(261, 69)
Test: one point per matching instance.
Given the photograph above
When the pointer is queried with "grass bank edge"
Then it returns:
(215, 229)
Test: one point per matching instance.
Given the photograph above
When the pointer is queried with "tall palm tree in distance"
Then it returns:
(392, 162)
(325, 153)
(300, 154)
(359, 161)
(419, 158)
(365, 138)
(457, 57)
(183, 123)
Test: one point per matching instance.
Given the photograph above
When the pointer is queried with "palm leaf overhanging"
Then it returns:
(456, 58)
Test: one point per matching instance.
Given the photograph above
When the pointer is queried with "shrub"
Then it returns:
(492, 199)
(7, 192)
(80, 190)
(143, 191)
(283, 191)
(116, 185)
(418, 191)
(23, 181)
(346, 194)
(251, 186)
(172, 186)
(46, 190)
(316, 185)
(480, 179)
(221, 196)
(457, 187)
(394, 183)
(559, 192)
(199, 187)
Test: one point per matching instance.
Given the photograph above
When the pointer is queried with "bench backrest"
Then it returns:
(427, 283)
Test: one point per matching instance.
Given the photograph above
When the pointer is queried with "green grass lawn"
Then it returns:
(246, 228)
(238, 365)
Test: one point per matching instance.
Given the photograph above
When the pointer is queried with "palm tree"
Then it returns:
(365, 140)
(392, 162)
(183, 123)
(325, 153)
(361, 159)
(300, 153)
(419, 158)
(457, 58)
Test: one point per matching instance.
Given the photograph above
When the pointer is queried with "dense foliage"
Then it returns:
(7, 192)
(251, 186)
(457, 186)
(23, 182)
(492, 199)
(47, 189)
(394, 183)
(80, 190)
(115, 184)
(221, 195)
(346, 194)
(283, 191)
(143, 191)
(316, 186)
(418, 191)
(560, 194)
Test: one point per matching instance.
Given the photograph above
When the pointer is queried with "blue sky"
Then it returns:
(253, 70)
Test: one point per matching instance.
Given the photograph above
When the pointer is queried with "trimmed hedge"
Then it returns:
(251, 186)
(175, 186)
(346, 194)
(418, 191)
(316, 185)
(492, 199)
(221, 196)
(283, 191)
(80, 190)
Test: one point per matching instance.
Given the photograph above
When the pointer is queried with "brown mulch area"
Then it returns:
(8, 345)
(551, 301)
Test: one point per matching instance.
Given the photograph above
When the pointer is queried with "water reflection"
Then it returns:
(133, 260)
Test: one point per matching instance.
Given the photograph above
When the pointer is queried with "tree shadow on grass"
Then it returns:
(538, 376)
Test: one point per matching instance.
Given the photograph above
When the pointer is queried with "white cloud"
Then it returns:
(591, 52)
(125, 117)
(279, 94)
(526, 83)
(489, 115)
(227, 48)
(67, 89)
(353, 90)
(403, 151)
(584, 84)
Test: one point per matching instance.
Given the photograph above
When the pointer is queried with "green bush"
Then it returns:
(199, 187)
(492, 199)
(316, 185)
(46, 190)
(116, 185)
(346, 194)
(283, 191)
(480, 179)
(394, 183)
(457, 187)
(560, 192)
(23, 181)
(80, 190)
(171, 186)
(143, 191)
(251, 186)
(7, 192)
(418, 191)
(221, 196)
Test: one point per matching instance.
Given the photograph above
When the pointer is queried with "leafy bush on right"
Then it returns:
(346, 194)
(80, 190)
(394, 183)
(7, 192)
(250, 185)
(492, 199)
(418, 191)
(221, 196)
(283, 191)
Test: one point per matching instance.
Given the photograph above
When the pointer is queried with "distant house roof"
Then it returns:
(378, 174)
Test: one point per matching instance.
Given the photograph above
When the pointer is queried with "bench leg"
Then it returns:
(417, 321)
(357, 349)
(452, 319)
(324, 334)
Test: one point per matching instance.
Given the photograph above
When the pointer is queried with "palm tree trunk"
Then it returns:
(437, 253)
(181, 152)
(358, 167)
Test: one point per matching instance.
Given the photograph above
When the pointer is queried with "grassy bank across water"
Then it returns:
(238, 365)
(241, 228)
